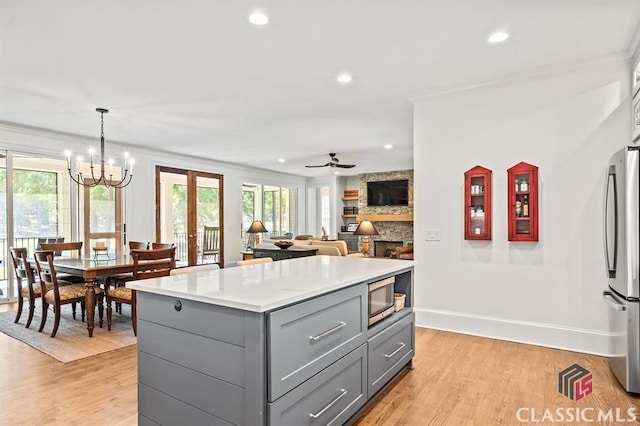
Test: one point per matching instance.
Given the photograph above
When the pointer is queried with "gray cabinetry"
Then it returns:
(389, 351)
(311, 362)
(199, 363)
(308, 337)
(330, 397)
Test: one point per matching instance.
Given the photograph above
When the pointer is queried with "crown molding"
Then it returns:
(533, 75)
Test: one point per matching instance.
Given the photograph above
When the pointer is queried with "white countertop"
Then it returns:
(268, 286)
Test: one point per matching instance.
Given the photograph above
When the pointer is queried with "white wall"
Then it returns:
(546, 293)
(140, 194)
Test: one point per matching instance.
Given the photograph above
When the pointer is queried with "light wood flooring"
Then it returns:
(457, 380)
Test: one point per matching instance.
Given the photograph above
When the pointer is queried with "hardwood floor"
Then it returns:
(457, 380)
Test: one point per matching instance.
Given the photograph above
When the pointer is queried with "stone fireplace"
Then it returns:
(384, 248)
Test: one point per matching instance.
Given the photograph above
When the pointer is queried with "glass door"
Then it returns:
(35, 202)
(189, 214)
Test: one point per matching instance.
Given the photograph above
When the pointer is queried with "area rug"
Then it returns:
(72, 341)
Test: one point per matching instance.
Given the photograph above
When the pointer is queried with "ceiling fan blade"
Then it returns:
(345, 166)
(323, 165)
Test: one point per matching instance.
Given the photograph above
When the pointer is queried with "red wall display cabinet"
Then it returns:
(477, 202)
(522, 202)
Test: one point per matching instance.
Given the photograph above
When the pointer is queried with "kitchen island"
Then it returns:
(270, 344)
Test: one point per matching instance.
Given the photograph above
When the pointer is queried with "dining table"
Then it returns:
(91, 269)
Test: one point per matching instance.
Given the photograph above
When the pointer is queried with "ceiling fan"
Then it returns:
(334, 162)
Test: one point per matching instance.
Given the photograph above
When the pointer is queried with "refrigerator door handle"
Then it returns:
(612, 302)
(611, 262)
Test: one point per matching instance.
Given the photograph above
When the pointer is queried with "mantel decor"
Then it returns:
(102, 178)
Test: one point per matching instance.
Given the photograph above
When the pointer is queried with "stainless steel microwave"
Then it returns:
(381, 299)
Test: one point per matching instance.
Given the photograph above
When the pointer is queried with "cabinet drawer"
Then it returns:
(309, 336)
(389, 351)
(330, 397)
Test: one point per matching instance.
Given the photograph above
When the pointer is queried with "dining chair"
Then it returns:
(61, 293)
(49, 240)
(32, 289)
(210, 243)
(156, 246)
(74, 249)
(121, 279)
(255, 261)
(146, 264)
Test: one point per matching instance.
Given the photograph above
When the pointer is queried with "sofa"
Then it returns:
(326, 248)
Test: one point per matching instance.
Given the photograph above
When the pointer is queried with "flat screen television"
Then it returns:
(388, 193)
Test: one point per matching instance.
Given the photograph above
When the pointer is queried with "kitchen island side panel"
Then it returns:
(185, 367)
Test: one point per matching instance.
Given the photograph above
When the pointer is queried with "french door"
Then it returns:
(187, 201)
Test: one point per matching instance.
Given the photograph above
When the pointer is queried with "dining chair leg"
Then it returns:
(56, 323)
(82, 310)
(108, 315)
(73, 310)
(19, 313)
(43, 320)
(32, 308)
(101, 309)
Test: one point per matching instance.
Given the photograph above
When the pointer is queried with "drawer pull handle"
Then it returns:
(326, 333)
(401, 347)
(343, 392)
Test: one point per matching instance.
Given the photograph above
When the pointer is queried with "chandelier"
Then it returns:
(105, 177)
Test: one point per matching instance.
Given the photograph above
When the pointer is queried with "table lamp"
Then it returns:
(365, 228)
(256, 228)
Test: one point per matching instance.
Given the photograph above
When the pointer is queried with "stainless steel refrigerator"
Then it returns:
(622, 257)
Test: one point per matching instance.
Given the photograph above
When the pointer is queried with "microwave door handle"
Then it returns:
(611, 263)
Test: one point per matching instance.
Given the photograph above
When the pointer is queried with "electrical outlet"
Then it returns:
(432, 235)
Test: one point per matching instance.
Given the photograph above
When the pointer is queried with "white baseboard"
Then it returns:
(548, 335)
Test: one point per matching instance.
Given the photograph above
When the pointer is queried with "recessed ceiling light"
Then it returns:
(281, 160)
(388, 146)
(336, 173)
(498, 37)
(258, 18)
(344, 78)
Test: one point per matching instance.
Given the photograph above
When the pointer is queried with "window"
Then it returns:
(275, 206)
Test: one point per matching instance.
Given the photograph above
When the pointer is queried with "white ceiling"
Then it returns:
(194, 77)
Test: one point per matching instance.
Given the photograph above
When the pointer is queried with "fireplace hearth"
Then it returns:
(384, 248)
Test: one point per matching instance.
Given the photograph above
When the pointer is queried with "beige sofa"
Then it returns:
(327, 248)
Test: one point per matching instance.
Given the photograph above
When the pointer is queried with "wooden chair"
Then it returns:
(138, 245)
(60, 294)
(75, 249)
(146, 264)
(32, 289)
(121, 279)
(210, 243)
(254, 261)
(156, 246)
(49, 240)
